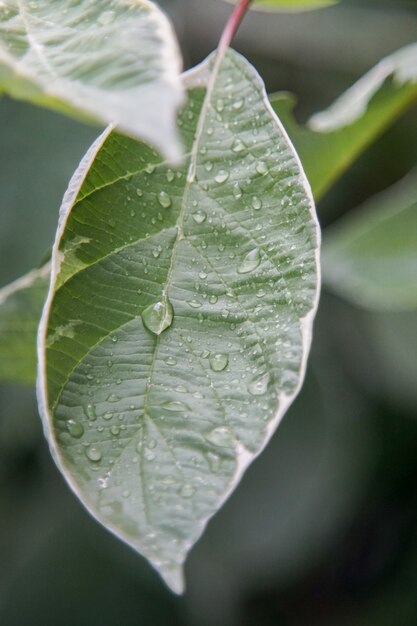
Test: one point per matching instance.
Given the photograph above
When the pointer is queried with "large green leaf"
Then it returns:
(334, 138)
(21, 304)
(113, 61)
(370, 256)
(179, 317)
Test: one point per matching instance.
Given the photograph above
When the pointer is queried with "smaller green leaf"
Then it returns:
(370, 258)
(342, 132)
(20, 310)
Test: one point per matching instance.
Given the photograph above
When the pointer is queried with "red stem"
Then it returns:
(233, 24)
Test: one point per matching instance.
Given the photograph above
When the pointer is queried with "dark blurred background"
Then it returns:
(323, 528)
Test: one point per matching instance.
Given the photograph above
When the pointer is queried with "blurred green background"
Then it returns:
(323, 528)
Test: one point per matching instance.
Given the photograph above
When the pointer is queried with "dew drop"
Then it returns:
(187, 490)
(139, 192)
(171, 361)
(218, 362)
(238, 146)
(259, 386)
(93, 454)
(261, 167)
(75, 429)
(115, 430)
(250, 262)
(213, 299)
(237, 192)
(90, 412)
(221, 176)
(238, 104)
(158, 317)
(175, 405)
(195, 304)
(170, 176)
(256, 203)
(222, 437)
(164, 199)
(113, 398)
(214, 461)
(199, 217)
(150, 168)
(219, 105)
(149, 455)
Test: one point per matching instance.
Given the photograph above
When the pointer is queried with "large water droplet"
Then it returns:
(113, 398)
(259, 386)
(238, 146)
(164, 199)
(75, 429)
(250, 262)
(93, 454)
(195, 304)
(221, 436)
(221, 176)
(218, 362)
(90, 412)
(171, 360)
(158, 317)
(238, 104)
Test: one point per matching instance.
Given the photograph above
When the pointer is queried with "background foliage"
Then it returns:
(322, 529)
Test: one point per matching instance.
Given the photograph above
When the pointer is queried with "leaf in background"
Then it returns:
(334, 138)
(179, 318)
(113, 61)
(370, 256)
(21, 305)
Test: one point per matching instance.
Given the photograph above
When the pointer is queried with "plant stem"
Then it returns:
(232, 25)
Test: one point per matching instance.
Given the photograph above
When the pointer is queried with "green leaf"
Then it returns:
(179, 317)
(333, 139)
(113, 62)
(21, 304)
(370, 256)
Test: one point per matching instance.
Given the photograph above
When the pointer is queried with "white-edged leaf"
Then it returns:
(115, 62)
(334, 138)
(189, 295)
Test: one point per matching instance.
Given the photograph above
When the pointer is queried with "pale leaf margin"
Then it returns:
(289, 6)
(199, 76)
(131, 112)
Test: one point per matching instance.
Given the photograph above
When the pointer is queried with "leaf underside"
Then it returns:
(179, 318)
(115, 62)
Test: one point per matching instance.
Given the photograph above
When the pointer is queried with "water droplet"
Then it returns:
(219, 105)
(221, 176)
(175, 406)
(213, 299)
(90, 412)
(171, 361)
(256, 203)
(214, 461)
(187, 490)
(199, 217)
(238, 146)
(115, 430)
(164, 199)
(158, 317)
(259, 386)
(139, 192)
(222, 437)
(107, 17)
(260, 293)
(250, 262)
(218, 362)
(149, 455)
(261, 167)
(170, 176)
(237, 192)
(93, 454)
(113, 398)
(75, 429)
(238, 104)
(195, 304)
(150, 168)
